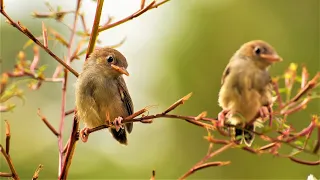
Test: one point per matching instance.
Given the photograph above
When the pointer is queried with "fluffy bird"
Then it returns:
(246, 89)
(102, 95)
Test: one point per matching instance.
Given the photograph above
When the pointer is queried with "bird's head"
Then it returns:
(260, 52)
(111, 60)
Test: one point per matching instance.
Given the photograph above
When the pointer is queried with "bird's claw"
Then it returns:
(118, 123)
(266, 111)
(222, 117)
(84, 134)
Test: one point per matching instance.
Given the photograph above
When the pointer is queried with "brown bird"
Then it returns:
(246, 89)
(102, 94)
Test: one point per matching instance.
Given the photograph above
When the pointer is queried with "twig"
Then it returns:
(44, 35)
(46, 122)
(176, 104)
(153, 175)
(317, 145)
(71, 111)
(64, 91)
(8, 136)
(95, 27)
(9, 162)
(84, 23)
(310, 85)
(37, 171)
(310, 163)
(26, 32)
(200, 164)
(142, 4)
(74, 137)
(152, 5)
(147, 119)
(5, 174)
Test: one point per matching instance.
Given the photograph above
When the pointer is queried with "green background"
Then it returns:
(189, 46)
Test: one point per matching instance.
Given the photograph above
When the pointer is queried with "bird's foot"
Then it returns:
(222, 117)
(84, 134)
(118, 123)
(266, 111)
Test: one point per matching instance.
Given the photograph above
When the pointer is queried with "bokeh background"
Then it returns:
(180, 47)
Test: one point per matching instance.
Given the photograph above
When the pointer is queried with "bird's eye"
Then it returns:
(257, 50)
(110, 59)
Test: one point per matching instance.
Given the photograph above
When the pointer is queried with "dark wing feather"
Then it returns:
(126, 99)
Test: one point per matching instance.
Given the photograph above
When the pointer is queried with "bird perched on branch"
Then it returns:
(246, 88)
(102, 95)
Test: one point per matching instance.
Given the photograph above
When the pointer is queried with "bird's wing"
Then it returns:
(126, 99)
(266, 95)
(225, 73)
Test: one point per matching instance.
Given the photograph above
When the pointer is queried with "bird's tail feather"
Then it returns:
(244, 134)
(248, 135)
(120, 136)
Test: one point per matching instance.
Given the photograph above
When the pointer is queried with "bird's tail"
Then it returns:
(120, 136)
(242, 132)
(245, 134)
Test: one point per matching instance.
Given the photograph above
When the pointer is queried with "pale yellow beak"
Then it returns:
(120, 69)
(271, 58)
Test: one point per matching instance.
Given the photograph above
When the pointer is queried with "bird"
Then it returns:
(101, 94)
(246, 89)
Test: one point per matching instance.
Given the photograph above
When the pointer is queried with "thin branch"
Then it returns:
(153, 175)
(71, 111)
(44, 35)
(148, 119)
(95, 27)
(9, 162)
(46, 122)
(26, 32)
(64, 91)
(310, 163)
(176, 104)
(142, 4)
(74, 137)
(5, 174)
(310, 85)
(37, 171)
(200, 164)
(152, 5)
(8, 136)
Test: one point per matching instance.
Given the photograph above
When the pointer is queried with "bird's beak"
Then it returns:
(121, 70)
(271, 57)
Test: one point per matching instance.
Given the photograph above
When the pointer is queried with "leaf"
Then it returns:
(27, 44)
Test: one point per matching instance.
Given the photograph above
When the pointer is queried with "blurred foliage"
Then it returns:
(196, 39)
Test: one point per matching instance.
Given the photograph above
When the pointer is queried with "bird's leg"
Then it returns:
(118, 123)
(222, 117)
(266, 111)
(84, 134)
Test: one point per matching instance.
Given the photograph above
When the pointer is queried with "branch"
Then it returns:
(148, 119)
(10, 164)
(37, 171)
(202, 165)
(152, 5)
(95, 27)
(46, 122)
(8, 136)
(26, 32)
(74, 137)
